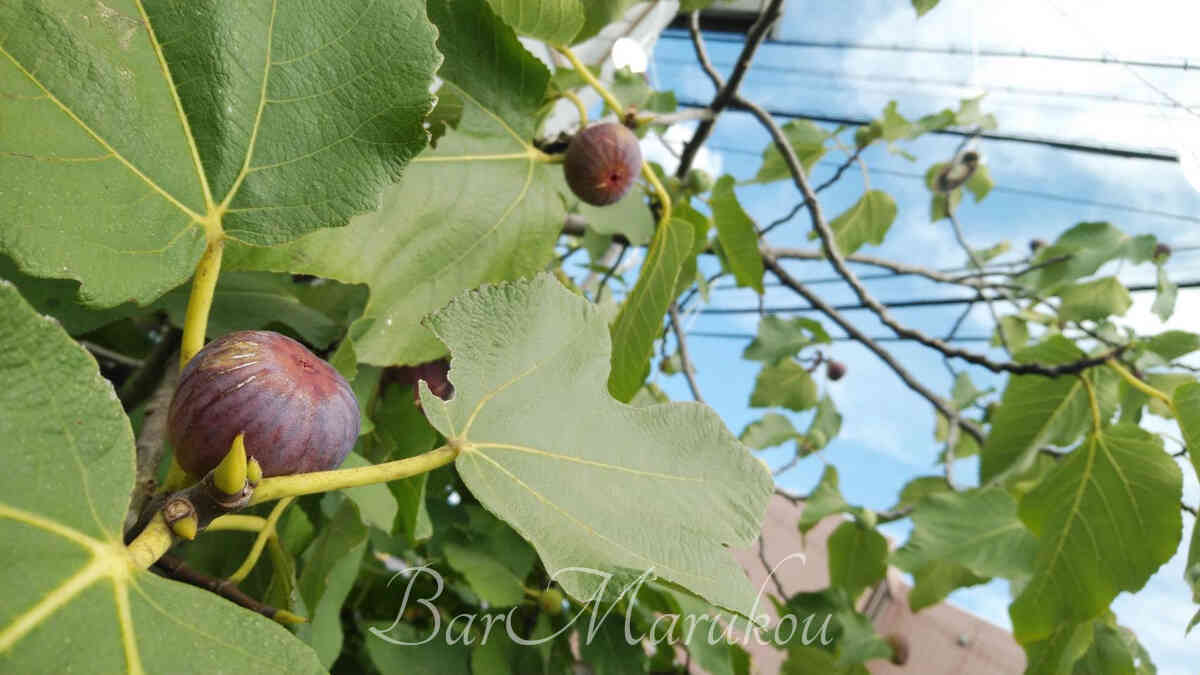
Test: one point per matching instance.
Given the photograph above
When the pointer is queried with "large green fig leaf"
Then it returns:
(554, 21)
(1034, 409)
(68, 458)
(639, 322)
(1106, 518)
(480, 207)
(978, 529)
(131, 128)
(547, 449)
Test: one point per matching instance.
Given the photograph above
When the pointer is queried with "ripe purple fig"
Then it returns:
(835, 370)
(435, 374)
(298, 413)
(602, 162)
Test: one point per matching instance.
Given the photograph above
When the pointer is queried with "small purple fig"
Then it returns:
(299, 415)
(835, 370)
(602, 162)
(899, 645)
(435, 375)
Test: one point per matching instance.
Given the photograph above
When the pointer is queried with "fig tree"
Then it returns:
(602, 162)
(299, 415)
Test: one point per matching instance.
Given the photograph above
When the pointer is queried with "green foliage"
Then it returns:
(61, 517)
(1106, 518)
(637, 325)
(780, 338)
(413, 184)
(738, 236)
(526, 468)
(867, 222)
(807, 141)
(183, 125)
(413, 266)
(787, 384)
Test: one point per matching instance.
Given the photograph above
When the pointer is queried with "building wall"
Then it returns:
(942, 640)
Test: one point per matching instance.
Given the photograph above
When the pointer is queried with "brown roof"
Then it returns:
(943, 640)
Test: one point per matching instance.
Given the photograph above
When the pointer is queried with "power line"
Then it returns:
(732, 286)
(961, 84)
(952, 50)
(839, 338)
(1127, 153)
(1050, 196)
(922, 302)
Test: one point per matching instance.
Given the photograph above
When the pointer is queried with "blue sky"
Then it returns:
(887, 434)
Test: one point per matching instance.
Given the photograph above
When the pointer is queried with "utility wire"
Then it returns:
(1126, 153)
(961, 84)
(996, 188)
(839, 338)
(921, 302)
(1182, 64)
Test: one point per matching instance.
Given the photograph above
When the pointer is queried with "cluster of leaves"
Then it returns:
(386, 226)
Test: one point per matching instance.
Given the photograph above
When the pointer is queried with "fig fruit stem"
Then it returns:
(267, 532)
(573, 98)
(664, 198)
(237, 522)
(588, 77)
(339, 479)
(151, 544)
(1140, 385)
(204, 284)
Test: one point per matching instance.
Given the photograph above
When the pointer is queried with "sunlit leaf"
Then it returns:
(779, 338)
(977, 529)
(867, 222)
(535, 425)
(807, 141)
(857, 557)
(771, 430)
(1106, 518)
(483, 206)
(1034, 409)
(738, 235)
(787, 384)
(639, 323)
(1094, 300)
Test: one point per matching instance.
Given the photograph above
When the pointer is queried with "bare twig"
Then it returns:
(151, 442)
(702, 51)
(943, 406)
(611, 271)
(727, 91)
(174, 568)
(114, 356)
(689, 373)
(839, 263)
(837, 175)
(762, 557)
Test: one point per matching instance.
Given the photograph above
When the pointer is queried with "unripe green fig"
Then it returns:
(699, 181)
(602, 162)
(299, 415)
(551, 602)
